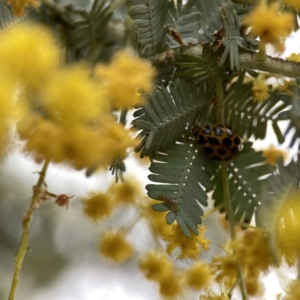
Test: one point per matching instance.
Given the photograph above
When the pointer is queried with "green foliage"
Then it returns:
(200, 68)
(249, 116)
(181, 174)
(293, 114)
(186, 21)
(90, 29)
(149, 17)
(232, 39)
(247, 176)
(7, 19)
(169, 113)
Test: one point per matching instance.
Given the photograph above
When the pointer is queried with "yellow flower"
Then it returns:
(18, 6)
(189, 247)
(272, 154)
(254, 287)
(78, 146)
(8, 111)
(124, 76)
(171, 286)
(250, 250)
(287, 225)
(198, 276)
(260, 90)
(28, 52)
(126, 192)
(71, 97)
(293, 3)
(270, 24)
(115, 247)
(156, 265)
(98, 206)
(294, 57)
(292, 291)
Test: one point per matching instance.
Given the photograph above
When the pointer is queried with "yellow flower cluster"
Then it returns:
(260, 90)
(292, 291)
(188, 247)
(270, 24)
(293, 3)
(18, 6)
(138, 75)
(158, 267)
(251, 251)
(67, 116)
(115, 247)
(101, 205)
(294, 57)
(287, 225)
(272, 154)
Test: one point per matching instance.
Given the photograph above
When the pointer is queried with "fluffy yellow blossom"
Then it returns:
(292, 291)
(18, 6)
(115, 247)
(125, 78)
(254, 287)
(293, 3)
(272, 154)
(71, 97)
(287, 225)
(8, 110)
(260, 90)
(271, 24)
(98, 206)
(294, 56)
(198, 276)
(250, 250)
(78, 146)
(28, 52)
(188, 247)
(171, 286)
(126, 192)
(156, 265)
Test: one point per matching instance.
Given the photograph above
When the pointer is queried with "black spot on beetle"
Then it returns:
(237, 140)
(222, 151)
(201, 139)
(208, 150)
(227, 142)
(213, 141)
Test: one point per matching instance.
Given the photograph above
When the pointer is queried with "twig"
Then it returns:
(26, 221)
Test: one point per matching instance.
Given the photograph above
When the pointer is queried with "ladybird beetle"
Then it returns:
(220, 142)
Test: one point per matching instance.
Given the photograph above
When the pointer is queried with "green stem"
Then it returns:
(226, 191)
(26, 221)
(210, 212)
(227, 203)
(220, 97)
(231, 220)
